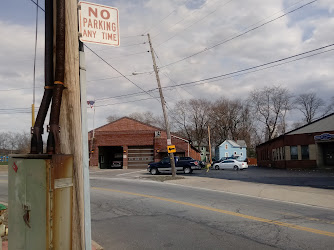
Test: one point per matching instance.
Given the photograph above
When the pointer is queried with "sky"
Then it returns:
(193, 40)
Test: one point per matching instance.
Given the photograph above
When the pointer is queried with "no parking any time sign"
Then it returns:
(98, 24)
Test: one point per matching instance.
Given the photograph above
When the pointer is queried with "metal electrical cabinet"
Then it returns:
(40, 189)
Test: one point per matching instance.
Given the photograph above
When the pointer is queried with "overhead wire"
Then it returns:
(111, 104)
(239, 35)
(37, 5)
(210, 13)
(184, 18)
(118, 71)
(228, 75)
(167, 75)
(256, 68)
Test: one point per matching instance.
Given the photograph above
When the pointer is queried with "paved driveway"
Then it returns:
(309, 178)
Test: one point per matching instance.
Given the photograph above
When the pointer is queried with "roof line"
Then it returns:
(130, 119)
(287, 133)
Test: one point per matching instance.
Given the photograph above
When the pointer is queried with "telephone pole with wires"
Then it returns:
(163, 104)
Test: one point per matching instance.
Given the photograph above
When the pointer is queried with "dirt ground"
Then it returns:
(3, 168)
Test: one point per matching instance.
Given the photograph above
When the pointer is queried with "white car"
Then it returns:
(230, 164)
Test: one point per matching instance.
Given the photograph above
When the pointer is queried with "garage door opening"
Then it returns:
(140, 156)
(110, 157)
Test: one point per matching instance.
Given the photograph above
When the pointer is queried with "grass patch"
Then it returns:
(3, 163)
(164, 178)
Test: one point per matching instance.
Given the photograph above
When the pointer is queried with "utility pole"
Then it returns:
(163, 104)
(70, 122)
(209, 145)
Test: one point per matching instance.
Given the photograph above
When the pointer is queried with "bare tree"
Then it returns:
(309, 104)
(230, 119)
(192, 118)
(146, 117)
(330, 107)
(219, 121)
(112, 118)
(14, 143)
(270, 105)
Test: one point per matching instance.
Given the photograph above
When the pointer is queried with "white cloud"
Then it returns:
(279, 39)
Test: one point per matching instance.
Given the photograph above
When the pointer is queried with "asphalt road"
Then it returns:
(141, 214)
(303, 178)
(137, 214)
(306, 178)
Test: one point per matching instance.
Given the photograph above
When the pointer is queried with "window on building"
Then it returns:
(226, 154)
(235, 152)
(241, 153)
(226, 146)
(305, 152)
(294, 152)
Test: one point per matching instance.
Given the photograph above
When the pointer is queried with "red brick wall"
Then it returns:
(128, 132)
(287, 140)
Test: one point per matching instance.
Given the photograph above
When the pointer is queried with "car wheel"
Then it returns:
(236, 168)
(154, 171)
(187, 170)
(217, 167)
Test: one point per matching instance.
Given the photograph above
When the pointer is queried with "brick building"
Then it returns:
(132, 144)
(309, 146)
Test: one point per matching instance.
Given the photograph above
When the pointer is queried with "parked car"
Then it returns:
(230, 164)
(185, 165)
(222, 159)
(116, 164)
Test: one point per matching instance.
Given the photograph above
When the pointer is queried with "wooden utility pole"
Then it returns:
(70, 121)
(163, 104)
(209, 145)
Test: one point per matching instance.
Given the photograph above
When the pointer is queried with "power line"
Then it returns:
(125, 95)
(195, 22)
(124, 37)
(110, 64)
(253, 71)
(114, 77)
(153, 26)
(37, 5)
(254, 67)
(246, 70)
(111, 104)
(183, 18)
(1, 90)
(123, 46)
(237, 36)
(118, 71)
(167, 75)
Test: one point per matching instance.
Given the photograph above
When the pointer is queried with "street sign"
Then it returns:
(171, 149)
(98, 24)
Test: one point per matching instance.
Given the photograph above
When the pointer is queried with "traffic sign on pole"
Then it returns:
(171, 149)
(98, 24)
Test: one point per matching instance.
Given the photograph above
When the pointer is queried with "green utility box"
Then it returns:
(40, 191)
